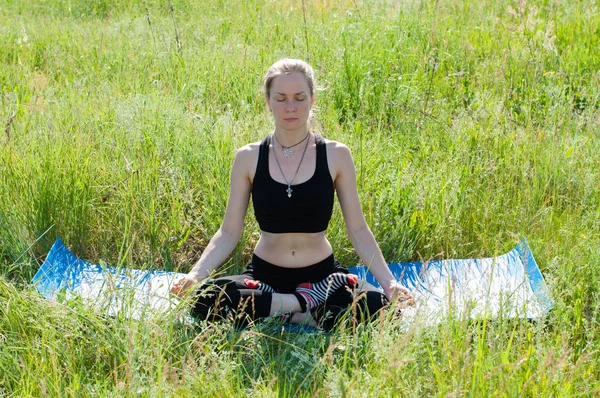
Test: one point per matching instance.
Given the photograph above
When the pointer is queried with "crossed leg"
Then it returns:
(321, 303)
(242, 298)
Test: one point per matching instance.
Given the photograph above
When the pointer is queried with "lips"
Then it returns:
(291, 119)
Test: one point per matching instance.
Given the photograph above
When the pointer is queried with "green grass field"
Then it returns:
(472, 124)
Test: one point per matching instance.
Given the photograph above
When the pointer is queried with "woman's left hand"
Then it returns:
(396, 292)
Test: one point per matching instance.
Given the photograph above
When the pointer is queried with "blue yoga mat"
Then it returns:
(509, 285)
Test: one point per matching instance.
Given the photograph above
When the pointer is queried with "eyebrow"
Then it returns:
(284, 94)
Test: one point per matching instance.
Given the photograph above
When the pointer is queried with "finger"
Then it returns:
(178, 288)
(181, 292)
(403, 298)
(184, 287)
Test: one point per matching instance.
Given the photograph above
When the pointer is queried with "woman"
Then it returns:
(292, 175)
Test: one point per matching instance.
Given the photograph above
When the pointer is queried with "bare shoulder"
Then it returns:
(339, 159)
(338, 153)
(247, 151)
(246, 159)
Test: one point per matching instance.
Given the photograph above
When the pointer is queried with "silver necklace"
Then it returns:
(289, 183)
(288, 152)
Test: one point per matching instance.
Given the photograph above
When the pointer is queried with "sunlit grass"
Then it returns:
(472, 124)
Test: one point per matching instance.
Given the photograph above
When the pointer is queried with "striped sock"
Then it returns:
(258, 285)
(315, 294)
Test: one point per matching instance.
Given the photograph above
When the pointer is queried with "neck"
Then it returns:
(290, 137)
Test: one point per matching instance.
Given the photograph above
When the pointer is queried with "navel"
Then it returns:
(293, 252)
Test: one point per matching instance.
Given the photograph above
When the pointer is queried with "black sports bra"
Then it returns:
(307, 210)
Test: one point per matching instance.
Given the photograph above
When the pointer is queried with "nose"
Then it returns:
(290, 106)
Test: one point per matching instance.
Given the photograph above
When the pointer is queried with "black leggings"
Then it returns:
(230, 297)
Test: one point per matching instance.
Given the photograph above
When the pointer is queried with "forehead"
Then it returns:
(290, 84)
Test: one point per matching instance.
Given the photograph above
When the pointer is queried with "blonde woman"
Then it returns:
(291, 176)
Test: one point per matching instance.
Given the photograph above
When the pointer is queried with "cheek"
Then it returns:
(304, 105)
(278, 106)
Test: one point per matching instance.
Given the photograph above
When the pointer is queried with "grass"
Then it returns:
(472, 124)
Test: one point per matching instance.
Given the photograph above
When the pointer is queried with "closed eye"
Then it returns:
(297, 99)
(300, 99)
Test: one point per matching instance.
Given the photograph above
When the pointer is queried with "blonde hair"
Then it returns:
(287, 66)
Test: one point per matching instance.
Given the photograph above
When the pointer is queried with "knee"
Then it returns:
(222, 300)
(213, 301)
(356, 307)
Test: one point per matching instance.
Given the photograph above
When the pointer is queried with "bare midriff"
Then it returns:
(293, 250)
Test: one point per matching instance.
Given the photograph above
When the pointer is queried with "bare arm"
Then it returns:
(226, 238)
(360, 234)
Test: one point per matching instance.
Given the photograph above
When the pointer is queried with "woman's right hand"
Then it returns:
(181, 287)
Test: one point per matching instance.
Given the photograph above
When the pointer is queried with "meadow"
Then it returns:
(472, 124)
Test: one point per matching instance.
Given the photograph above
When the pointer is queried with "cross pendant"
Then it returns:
(289, 191)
